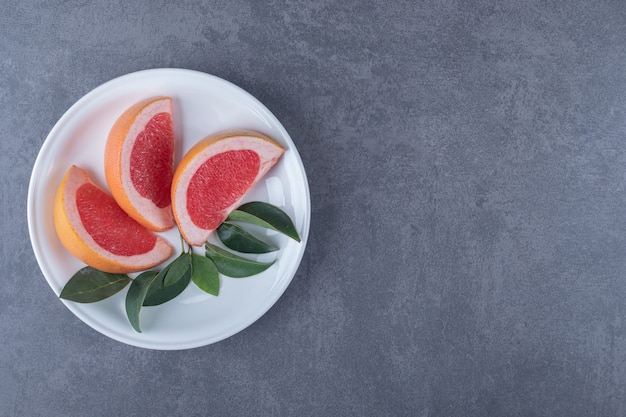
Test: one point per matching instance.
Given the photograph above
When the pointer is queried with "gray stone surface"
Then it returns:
(468, 178)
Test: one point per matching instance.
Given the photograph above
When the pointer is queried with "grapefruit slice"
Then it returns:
(213, 177)
(93, 228)
(139, 162)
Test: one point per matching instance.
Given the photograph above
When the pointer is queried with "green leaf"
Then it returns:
(204, 274)
(177, 269)
(136, 295)
(159, 293)
(236, 238)
(232, 265)
(265, 215)
(90, 285)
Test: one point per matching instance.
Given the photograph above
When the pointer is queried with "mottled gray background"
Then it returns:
(468, 179)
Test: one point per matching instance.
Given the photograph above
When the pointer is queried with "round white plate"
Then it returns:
(202, 104)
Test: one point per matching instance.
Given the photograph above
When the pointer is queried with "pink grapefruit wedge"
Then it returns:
(93, 228)
(213, 177)
(139, 162)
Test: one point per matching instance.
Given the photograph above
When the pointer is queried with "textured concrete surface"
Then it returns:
(468, 177)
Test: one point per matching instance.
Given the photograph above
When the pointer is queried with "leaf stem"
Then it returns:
(182, 243)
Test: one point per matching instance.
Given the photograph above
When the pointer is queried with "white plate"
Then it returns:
(202, 104)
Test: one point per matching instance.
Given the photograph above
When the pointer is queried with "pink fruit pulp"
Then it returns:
(218, 183)
(151, 162)
(109, 225)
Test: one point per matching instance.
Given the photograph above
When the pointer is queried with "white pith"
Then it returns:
(268, 155)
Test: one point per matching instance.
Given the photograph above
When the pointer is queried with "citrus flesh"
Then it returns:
(139, 162)
(151, 166)
(214, 187)
(93, 228)
(213, 177)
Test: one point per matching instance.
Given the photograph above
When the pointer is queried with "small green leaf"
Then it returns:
(265, 215)
(204, 274)
(177, 269)
(90, 285)
(232, 265)
(136, 295)
(236, 238)
(158, 293)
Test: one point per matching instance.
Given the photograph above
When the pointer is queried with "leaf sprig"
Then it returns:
(152, 288)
